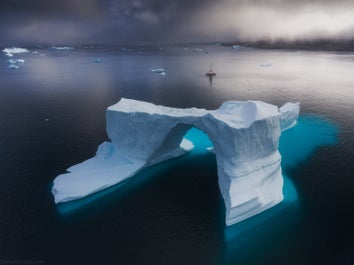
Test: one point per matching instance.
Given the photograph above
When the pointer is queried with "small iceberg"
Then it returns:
(198, 50)
(266, 65)
(99, 60)
(60, 48)
(236, 46)
(11, 61)
(12, 66)
(158, 71)
(10, 51)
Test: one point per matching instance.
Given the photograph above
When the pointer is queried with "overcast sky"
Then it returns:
(161, 21)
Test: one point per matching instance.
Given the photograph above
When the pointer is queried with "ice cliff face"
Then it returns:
(245, 136)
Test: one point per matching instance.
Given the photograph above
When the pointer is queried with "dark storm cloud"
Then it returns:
(109, 21)
(47, 7)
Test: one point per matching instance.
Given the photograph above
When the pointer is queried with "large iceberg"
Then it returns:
(245, 138)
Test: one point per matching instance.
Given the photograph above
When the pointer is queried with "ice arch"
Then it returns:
(245, 136)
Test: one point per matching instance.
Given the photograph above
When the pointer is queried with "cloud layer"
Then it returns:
(126, 21)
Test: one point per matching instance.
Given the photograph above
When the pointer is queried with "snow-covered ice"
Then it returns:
(245, 138)
(157, 70)
(14, 50)
(12, 61)
(61, 48)
(12, 66)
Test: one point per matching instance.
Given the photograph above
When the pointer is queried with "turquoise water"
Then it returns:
(251, 240)
(259, 234)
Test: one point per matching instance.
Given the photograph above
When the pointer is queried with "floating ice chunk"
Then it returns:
(9, 54)
(198, 50)
(163, 73)
(266, 65)
(236, 46)
(60, 48)
(245, 137)
(211, 149)
(11, 61)
(99, 60)
(12, 66)
(14, 50)
(158, 70)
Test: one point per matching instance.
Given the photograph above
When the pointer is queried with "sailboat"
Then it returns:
(211, 73)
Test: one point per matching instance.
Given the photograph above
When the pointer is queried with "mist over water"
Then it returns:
(52, 115)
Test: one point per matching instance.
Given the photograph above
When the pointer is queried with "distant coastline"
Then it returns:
(311, 45)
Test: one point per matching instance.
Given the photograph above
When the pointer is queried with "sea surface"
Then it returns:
(52, 116)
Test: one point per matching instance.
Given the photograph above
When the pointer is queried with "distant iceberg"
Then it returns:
(125, 50)
(11, 51)
(60, 48)
(99, 60)
(12, 61)
(245, 137)
(14, 50)
(158, 71)
(12, 66)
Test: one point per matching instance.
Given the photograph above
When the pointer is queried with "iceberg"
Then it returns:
(12, 66)
(58, 48)
(157, 70)
(245, 137)
(14, 50)
(11, 61)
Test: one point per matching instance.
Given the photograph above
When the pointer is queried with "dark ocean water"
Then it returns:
(52, 115)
